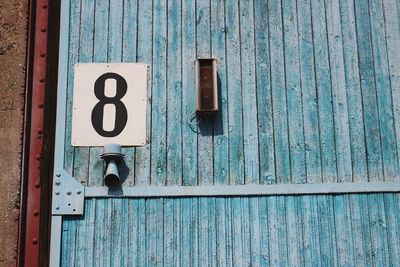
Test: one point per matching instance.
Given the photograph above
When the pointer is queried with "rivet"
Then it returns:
(41, 80)
(38, 156)
(57, 207)
(58, 182)
(37, 184)
(43, 54)
(40, 132)
(58, 174)
(40, 105)
(79, 192)
(43, 29)
(35, 212)
(44, 6)
(68, 192)
(57, 193)
(34, 241)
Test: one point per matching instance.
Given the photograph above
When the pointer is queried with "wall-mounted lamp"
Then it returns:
(206, 86)
(112, 156)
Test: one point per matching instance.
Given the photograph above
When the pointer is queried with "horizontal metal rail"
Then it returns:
(242, 190)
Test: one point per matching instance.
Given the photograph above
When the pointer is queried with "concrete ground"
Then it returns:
(13, 35)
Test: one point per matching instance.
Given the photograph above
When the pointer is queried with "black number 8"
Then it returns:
(121, 114)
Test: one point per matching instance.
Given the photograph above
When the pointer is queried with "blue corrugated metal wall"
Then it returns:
(309, 94)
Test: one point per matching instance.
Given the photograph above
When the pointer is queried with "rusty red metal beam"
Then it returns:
(29, 241)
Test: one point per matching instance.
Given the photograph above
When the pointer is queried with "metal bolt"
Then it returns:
(68, 192)
(41, 80)
(37, 184)
(57, 207)
(35, 212)
(44, 6)
(79, 192)
(40, 105)
(43, 29)
(43, 54)
(38, 156)
(58, 174)
(34, 241)
(58, 182)
(57, 193)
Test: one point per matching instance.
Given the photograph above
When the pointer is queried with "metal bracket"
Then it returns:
(68, 195)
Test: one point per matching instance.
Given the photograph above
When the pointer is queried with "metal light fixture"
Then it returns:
(112, 156)
(206, 86)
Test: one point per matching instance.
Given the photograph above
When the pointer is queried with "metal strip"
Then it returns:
(55, 245)
(56, 221)
(242, 190)
(33, 142)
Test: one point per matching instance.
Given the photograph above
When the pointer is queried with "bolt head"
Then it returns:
(58, 182)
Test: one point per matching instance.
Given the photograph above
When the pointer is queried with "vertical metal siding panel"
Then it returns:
(339, 97)
(371, 116)
(129, 54)
(221, 134)
(323, 79)
(309, 93)
(392, 41)
(81, 154)
(392, 224)
(378, 225)
(235, 127)
(159, 105)
(73, 50)
(145, 55)
(100, 39)
(205, 152)
(343, 231)
(264, 96)
(281, 142)
(384, 98)
(189, 137)
(249, 93)
(354, 97)
(174, 94)
(293, 92)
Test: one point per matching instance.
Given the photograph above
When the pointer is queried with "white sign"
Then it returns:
(109, 104)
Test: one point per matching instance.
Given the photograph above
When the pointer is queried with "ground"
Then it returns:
(13, 34)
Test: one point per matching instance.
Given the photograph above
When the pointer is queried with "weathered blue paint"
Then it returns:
(255, 231)
(304, 98)
(309, 93)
